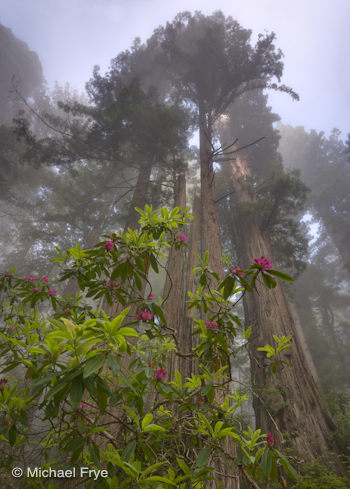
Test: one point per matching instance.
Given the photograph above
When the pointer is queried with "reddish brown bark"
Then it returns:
(211, 241)
(289, 401)
(174, 291)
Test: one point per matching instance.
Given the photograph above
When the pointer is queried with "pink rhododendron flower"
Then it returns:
(270, 440)
(52, 292)
(265, 263)
(182, 237)
(45, 279)
(37, 289)
(160, 374)
(12, 328)
(30, 278)
(6, 274)
(144, 315)
(67, 309)
(238, 271)
(83, 405)
(200, 399)
(150, 296)
(108, 245)
(110, 284)
(213, 325)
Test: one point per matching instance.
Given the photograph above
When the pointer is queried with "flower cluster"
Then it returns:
(213, 325)
(238, 271)
(182, 237)
(108, 245)
(45, 279)
(160, 374)
(144, 315)
(265, 263)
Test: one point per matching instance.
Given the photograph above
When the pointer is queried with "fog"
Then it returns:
(71, 37)
(238, 287)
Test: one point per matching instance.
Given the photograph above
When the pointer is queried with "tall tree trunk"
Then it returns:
(210, 228)
(288, 401)
(174, 287)
(116, 412)
(211, 241)
(189, 367)
(139, 197)
(338, 229)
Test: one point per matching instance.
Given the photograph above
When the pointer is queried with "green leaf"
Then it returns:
(185, 468)
(154, 263)
(12, 436)
(203, 280)
(95, 453)
(282, 276)
(127, 332)
(76, 391)
(75, 445)
(151, 468)
(268, 281)
(154, 427)
(247, 333)
(228, 287)
(94, 364)
(157, 478)
(128, 451)
(101, 398)
(203, 457)
(159, 312)
(178, 379)
(146, 420)
(132, 415)
(266, 463)
(291, 472)
(117, 321)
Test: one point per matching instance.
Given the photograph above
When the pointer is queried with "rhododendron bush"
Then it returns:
(98, 387)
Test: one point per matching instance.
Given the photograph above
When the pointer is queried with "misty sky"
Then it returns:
(71, 36)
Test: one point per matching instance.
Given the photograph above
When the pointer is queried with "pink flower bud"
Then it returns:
(150, 296)
(52, 292)
(45, 279)
(200, 399)
(270, 440)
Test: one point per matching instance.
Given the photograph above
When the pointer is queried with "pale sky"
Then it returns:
(71, 36)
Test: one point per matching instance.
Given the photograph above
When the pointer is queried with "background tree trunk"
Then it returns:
(174, 290)
(288, 401)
